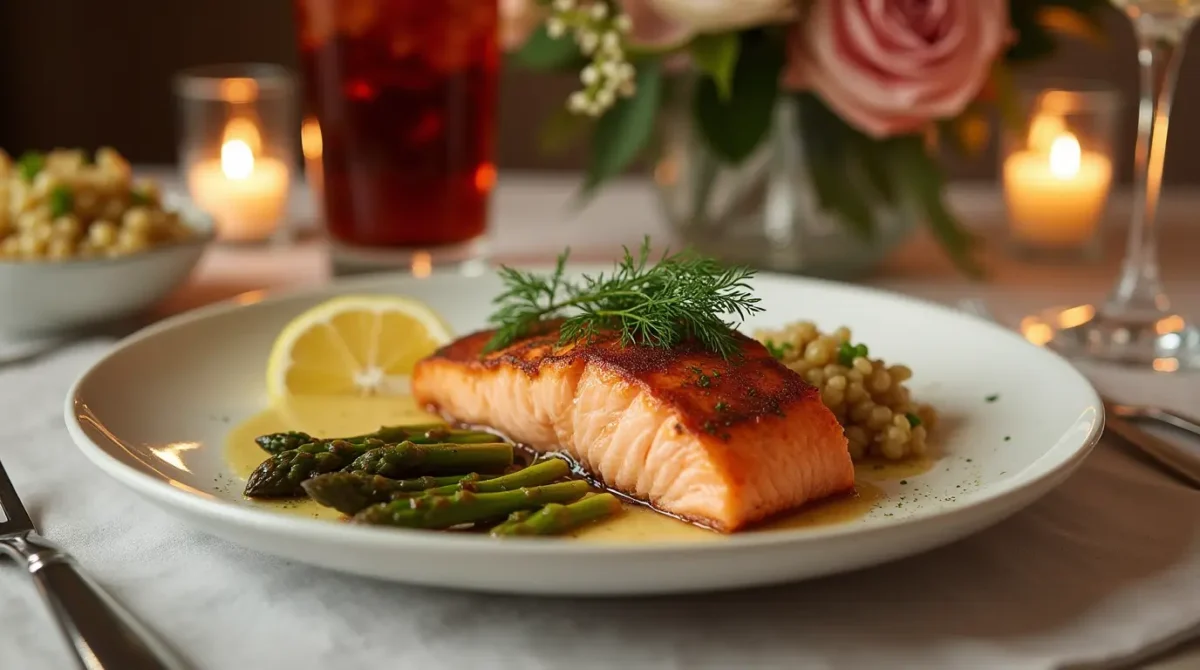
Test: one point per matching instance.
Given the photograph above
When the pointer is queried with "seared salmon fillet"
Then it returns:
(723, 443)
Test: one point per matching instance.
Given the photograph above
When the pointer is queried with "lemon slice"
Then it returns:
(353, 346)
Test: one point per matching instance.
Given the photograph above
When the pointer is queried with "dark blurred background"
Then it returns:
(89, 72)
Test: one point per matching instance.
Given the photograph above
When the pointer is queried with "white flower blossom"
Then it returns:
(597, 28)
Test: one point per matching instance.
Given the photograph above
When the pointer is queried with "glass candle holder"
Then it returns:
(1057, 170)
(237, 145)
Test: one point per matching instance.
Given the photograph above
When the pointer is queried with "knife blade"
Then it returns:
(1179, 460)
(1167, 417)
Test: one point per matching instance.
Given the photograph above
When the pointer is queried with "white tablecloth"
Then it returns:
(1105, 568)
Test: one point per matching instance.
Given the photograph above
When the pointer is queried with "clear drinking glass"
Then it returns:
(1136, 324)
(403, 96)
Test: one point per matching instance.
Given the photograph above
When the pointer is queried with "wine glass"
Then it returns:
(1136, 325)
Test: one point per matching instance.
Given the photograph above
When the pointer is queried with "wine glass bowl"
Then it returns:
(1136, 324)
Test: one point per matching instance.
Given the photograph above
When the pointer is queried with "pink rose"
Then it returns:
(651, 28)
(518, 20)
(889, 67)
(670, 23)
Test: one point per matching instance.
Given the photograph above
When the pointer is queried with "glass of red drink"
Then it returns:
(404, 92)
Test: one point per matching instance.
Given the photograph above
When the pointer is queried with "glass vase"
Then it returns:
(765, 211)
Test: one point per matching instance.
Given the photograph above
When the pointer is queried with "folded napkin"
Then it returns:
(1105, 566)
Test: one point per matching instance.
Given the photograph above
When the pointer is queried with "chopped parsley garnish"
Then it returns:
(778, 351)
(913, 419)
(62, 201)
(138, 198)
(993, 397)
(848, 352)
(702, 381)
(722, 406)
(1007, 438)
(30, 164)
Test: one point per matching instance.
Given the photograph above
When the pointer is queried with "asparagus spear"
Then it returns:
(279, 442)
(555, 518)
(399, 461)
(282, 475)
(439, 512)
(432, 433)
(350, 492)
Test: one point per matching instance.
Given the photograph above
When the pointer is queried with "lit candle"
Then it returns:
(245, 192)
(1055, 191)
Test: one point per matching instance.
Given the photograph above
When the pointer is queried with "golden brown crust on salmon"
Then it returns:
(712, 395)
(720, 442)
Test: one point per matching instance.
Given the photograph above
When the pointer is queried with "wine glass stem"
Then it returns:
(1139, 293)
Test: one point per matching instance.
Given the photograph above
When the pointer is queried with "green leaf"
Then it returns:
(875, 168)
(734, 127)
(623, 131)
(834, 151)
(30, 164)
(717, 56)
(62, 201)
(921, 184)
(542, 52)
(561, 130)
(139, 198)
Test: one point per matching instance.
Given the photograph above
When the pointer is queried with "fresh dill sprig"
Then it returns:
(680, 297)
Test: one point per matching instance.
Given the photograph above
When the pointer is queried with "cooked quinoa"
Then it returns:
(867, 395)
(61, 205)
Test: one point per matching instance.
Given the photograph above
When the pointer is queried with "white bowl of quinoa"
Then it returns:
(83, 243)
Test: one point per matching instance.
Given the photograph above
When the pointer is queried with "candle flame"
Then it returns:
(239, 144)
(237, 160)
(1065, 156)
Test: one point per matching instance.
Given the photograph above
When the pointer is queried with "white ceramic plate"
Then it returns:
(186, 379)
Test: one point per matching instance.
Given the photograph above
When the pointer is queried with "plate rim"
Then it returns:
(1047, 475)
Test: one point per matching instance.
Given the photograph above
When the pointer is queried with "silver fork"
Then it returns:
(104, 635)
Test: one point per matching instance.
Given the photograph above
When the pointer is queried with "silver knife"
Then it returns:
(1171, 418)
(1178, 459)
